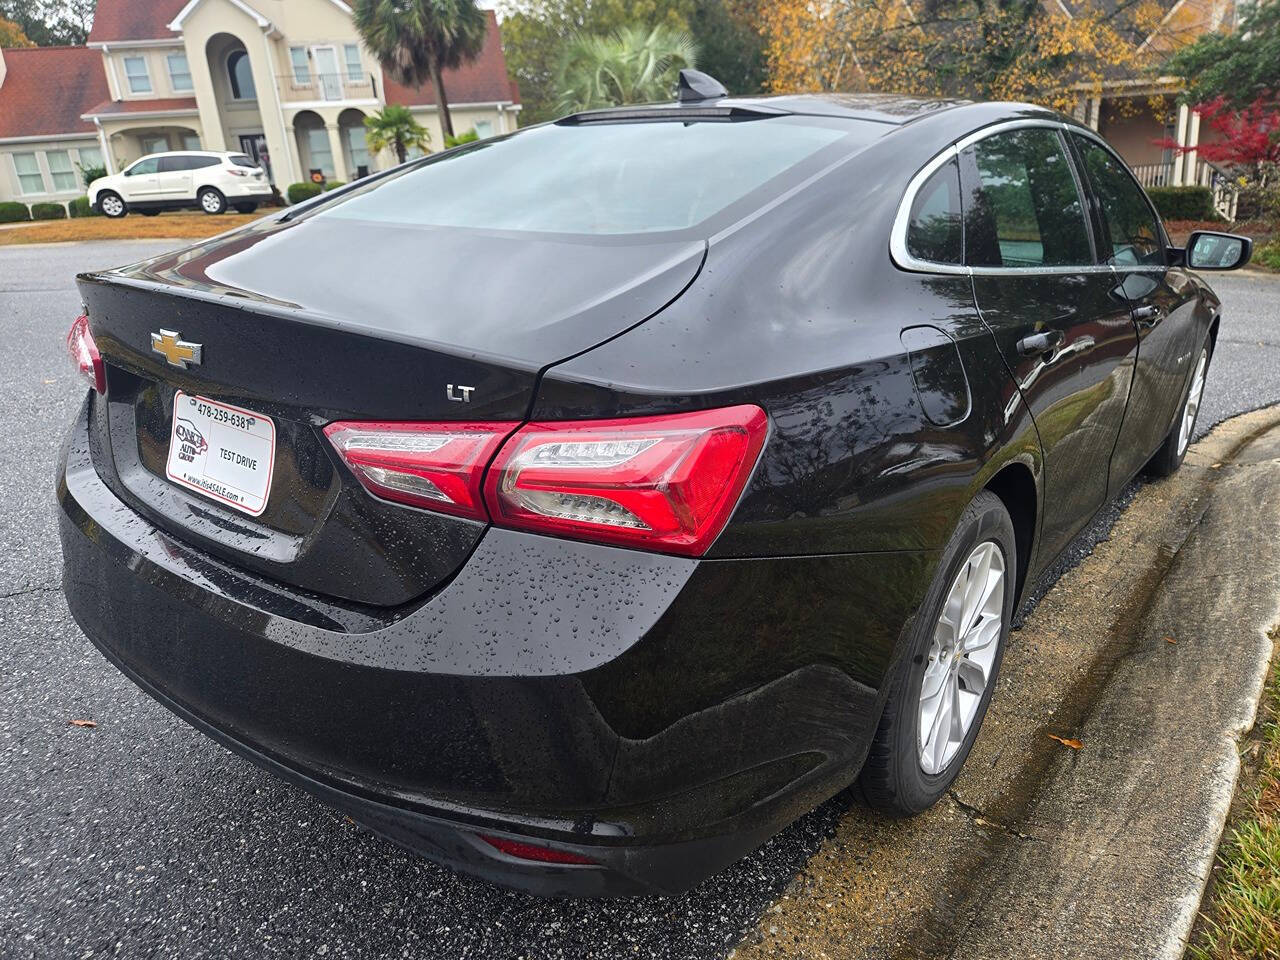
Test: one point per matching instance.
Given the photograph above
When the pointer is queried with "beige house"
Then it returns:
(1137, 114)
(287, 81)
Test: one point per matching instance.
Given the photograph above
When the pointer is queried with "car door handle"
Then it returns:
(1148, 315)
(1038, 344)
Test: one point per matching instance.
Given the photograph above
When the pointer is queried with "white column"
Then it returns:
(1179, 158)
(1095, 112)
(339, 154)
(1193, 141)
(107, 159)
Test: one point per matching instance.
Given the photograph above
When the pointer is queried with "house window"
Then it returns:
(301, 69)
(190, 141)
(60, 168)
(359, 149)
(90, 157)
(240, 75)
(153, 145)
(321, 154)
(30, 180)
(135, 71)
(179, 72)
(484, 128)
(355, 71)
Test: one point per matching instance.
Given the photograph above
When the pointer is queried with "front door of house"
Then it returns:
(255, 145)
(328, 72)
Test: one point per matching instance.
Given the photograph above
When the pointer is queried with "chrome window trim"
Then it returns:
(902, 221)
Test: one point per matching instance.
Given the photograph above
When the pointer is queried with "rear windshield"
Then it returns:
(606, 178)
(240, 160)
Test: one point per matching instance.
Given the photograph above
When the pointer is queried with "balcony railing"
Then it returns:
(1205, 174)
(295, 88)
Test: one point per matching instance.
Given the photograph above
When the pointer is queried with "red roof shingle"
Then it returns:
(483, 81)
(46, 90)
(134, 20)
(108, 108)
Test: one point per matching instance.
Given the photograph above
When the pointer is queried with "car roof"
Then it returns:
(886, 108)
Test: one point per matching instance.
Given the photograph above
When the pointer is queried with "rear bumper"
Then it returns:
(249, 190)
(580, 697)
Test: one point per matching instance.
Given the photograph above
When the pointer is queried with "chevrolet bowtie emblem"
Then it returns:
(177, 352)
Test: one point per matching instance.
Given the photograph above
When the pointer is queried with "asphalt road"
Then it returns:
(142, 838)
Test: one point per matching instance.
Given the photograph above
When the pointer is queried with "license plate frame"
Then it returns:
(223, 452)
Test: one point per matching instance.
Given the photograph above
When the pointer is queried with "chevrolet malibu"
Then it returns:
(580, 507)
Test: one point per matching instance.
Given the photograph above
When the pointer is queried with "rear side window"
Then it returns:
(242, 160)
(604, 178)
(1134, 233)
(1029, 212)
(935, 231)
(199, 163)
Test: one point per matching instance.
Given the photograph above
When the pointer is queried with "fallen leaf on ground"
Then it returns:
(1170, 640)
(1216, 466)
(83, 723)
(1066, 741)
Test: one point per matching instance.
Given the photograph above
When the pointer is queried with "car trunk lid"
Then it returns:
(312, 322)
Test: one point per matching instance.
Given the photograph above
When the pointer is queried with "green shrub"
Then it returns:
(12, 212)
(1268, 255)
(333, 185)
(48, 211)
(469, 137)
(298, 192)
(1183, 203)
(90, 174)
(80, 208)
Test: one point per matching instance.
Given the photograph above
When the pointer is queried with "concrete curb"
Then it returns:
(1047, 852)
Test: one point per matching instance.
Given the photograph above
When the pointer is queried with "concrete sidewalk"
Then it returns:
(1152, 653)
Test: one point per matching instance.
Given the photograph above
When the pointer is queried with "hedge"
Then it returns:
(12, 212)
(48, 211)
(333, 185)
(303, 191)
(80, 208)
(1183, 203)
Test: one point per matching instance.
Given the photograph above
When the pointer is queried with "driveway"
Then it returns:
(141, 837)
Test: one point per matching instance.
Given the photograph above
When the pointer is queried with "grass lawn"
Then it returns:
(1241, 916)
(180, 226)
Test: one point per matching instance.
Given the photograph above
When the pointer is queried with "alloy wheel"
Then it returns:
(962, 654)
(210, 202)
(112, 206)
(1193, 403)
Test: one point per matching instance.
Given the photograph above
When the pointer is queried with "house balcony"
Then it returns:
(326, 87)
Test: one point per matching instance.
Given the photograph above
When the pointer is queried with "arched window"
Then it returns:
(241, 76)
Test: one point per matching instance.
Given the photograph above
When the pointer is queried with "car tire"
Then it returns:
(211, 200)
(150, 213)
(903, 775)
(111, 204)
(246, 207)
(1174, 449)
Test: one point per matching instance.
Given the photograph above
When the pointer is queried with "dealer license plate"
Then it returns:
(226, 453)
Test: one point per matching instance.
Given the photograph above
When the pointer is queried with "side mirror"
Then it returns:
(1207, 250)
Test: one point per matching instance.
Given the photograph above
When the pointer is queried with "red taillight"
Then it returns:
(664, 483)
(529, 851)
(437, 466)
(84, 354)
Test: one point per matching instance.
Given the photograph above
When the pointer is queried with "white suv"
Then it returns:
(187, 178)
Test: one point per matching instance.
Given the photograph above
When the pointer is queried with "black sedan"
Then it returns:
(579, 507)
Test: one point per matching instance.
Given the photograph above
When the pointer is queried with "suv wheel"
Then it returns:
(212, 200)
(112, 205)
(246, 207)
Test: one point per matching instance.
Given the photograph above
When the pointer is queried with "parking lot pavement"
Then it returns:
(141, 837)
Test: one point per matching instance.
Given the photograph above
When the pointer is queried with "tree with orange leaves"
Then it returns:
(1044, 51)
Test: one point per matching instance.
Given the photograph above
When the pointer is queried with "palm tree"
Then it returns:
(393, 126)
(631, 65)
(417, 40)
